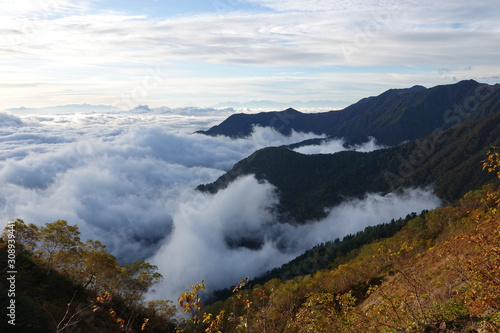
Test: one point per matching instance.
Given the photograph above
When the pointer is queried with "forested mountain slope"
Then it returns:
(439, 273)
(308, 184)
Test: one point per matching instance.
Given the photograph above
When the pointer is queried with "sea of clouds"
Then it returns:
(128, 178)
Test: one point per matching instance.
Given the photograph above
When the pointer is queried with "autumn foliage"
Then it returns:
(75, 286)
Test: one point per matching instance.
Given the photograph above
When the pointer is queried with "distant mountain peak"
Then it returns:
(141, 108)
(417, 88)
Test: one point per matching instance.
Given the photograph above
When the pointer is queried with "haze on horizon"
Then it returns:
(206, 53)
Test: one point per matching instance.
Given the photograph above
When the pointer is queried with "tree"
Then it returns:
(190, 302)
(130, 284)
(492, 162)
(26, 235)
(57, 241)
(482, 296)
(136, 279)
(95, 267)
(78, 294)
(160, 314)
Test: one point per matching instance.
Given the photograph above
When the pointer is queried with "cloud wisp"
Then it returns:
(332, 146)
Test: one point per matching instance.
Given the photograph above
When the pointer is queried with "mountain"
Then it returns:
(307, 184)
(395, 116)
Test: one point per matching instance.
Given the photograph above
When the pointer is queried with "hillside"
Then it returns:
(394, 116)
(308, 184)
(439, 273)
(61, 284)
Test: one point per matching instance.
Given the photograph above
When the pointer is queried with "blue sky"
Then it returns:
(203, 53)
(171, 8)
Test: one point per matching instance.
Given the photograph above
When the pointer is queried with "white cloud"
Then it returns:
(368, 146)
(298, 38)
(325, 147)
(311, 6)
(41, 8)
(9, 120)
(352, 216)
(332, 146)
(197, 248)
(118, 175)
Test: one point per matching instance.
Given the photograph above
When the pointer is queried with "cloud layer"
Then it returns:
(119, 176)
(128, 180)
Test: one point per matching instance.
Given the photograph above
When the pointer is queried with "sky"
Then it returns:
(213, 52)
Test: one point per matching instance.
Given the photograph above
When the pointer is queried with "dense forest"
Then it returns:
(433, 272)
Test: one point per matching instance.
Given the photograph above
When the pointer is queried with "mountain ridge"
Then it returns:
(393, 117)
(308, 184)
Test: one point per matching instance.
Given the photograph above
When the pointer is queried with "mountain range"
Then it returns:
(447, 131)
(393, 117)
